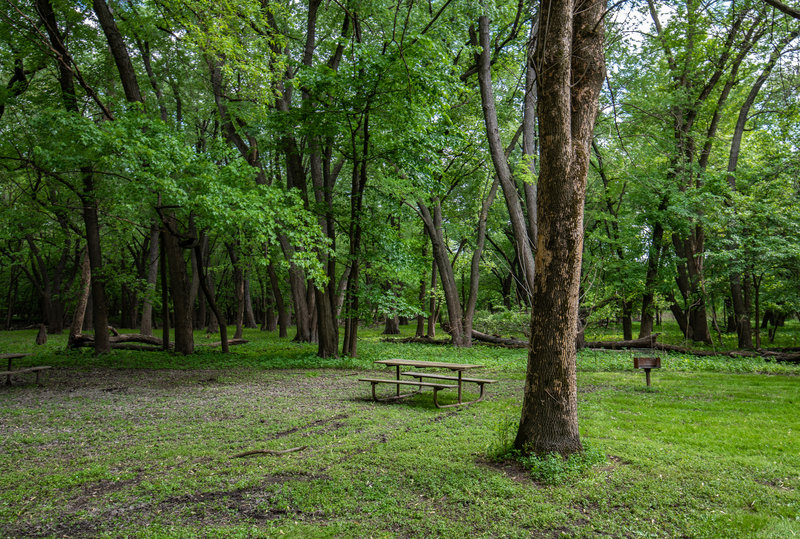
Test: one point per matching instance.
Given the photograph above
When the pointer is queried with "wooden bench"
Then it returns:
(480, 381)
(37, 370)
(420, 384)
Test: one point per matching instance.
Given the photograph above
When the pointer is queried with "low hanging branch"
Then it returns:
(268, 452)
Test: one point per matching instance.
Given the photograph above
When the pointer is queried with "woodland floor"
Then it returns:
(142, 446)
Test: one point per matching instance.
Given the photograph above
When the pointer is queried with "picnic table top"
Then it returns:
(431, 364)
(12, 356)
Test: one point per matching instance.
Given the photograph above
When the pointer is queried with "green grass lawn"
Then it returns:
(139, 444)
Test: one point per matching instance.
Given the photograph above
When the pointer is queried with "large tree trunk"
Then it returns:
(571, 70)
(102, 345)
(392, 325)
(627, 322)
(179, 289)
(328, 330)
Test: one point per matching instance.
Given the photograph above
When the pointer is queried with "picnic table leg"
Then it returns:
(8, 378)
(398, 377)
(459, 387)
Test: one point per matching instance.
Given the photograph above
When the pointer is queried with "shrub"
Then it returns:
(504, 323)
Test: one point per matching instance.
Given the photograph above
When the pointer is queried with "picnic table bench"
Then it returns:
(9, 372)
(458, 368)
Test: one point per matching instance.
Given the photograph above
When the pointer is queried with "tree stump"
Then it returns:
(41, 338)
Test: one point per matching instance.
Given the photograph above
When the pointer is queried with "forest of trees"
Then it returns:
(309, 167)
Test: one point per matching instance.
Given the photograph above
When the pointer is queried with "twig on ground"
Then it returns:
(268, 452)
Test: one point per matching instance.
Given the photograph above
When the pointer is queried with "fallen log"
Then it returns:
(643, 342)
(231, 342)
(136, 347)
(788, 358)
(494, 339)
(88, 340)
(421, 340)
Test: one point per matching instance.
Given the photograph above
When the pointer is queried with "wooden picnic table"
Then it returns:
(458, 368)
(8, 372)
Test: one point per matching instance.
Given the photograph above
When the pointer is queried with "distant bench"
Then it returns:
(9, 372)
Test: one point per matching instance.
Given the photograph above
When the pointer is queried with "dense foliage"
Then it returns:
(301, 162)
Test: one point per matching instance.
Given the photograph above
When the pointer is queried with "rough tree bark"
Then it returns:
(571, 69)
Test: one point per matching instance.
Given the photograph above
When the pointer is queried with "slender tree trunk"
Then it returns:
(358, 184)
(270, 320)
(209, 294)
(146, 327)
(741, 313)
(422, 293)
(502, 169)
(238, 288)
(283, 314)
(757, 297)
(194, 287)
(249, 315)
(571, 70)
(88, 321)
(11, 297)
(730, 317)
(651, 278)
(475, 265)
(432, 310)
(433, 225)
(76, 327)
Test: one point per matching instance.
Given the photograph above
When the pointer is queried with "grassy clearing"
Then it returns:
(140, 444)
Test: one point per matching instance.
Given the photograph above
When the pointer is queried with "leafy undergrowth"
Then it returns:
(140, 444)
(549, 469)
